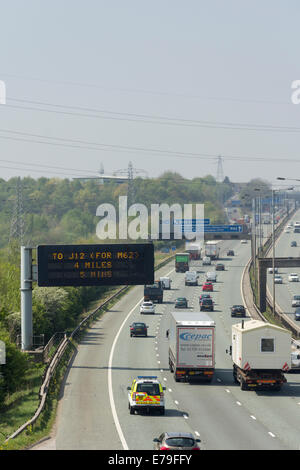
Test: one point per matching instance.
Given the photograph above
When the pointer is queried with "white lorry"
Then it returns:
(261, 353)
(191, 346)
(194, 249)
(191, 278)
(212, 249)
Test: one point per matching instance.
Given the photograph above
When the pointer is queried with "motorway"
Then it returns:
(285, 291)
(93, 410)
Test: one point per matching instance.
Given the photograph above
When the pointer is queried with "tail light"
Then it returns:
(133, 396)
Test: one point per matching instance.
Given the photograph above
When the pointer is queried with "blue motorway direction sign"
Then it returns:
(191, 221)
(216, 228)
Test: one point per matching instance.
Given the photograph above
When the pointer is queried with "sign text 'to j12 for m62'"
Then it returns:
(95, 265)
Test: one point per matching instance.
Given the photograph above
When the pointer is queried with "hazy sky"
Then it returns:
(168, 85)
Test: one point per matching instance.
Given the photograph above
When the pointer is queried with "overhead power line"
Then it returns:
(96, 146)
(146, 118)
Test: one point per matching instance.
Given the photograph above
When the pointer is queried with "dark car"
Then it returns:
(204, 296)
(138, 329)
(238, 311)
(176, 441)
(293, 243)
(181, 302)
(297, 313)
(207, 304)
(220, 267)
(230, 253)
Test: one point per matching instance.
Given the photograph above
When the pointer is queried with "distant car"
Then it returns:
(211, 276)
(295, 360)
(206, 260)
(181, 302)
(230, 253)
(293, 277)
(176, 441)
(208, 286)
(244, 241)
(238, 311)
(278, 279)
(296, 301)
(147, 307)
(297, 314)
(270, 270)
(206, 304)
(220, 267)
(297, 230)
(138, 329)
(293, 243)
(287, 230)
(204, 296)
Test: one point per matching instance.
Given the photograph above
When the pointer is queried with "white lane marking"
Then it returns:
(271, 434)
(239, 403)
(253, 417)
(185, 416)
(197, 434)
(226, 389)
(176, 402)
(109, 375)
(110, 390)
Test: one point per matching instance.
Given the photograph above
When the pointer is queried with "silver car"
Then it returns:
(296, 301)
(295, 360)
(147, 307)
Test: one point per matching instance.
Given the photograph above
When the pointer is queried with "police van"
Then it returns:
(146, 393)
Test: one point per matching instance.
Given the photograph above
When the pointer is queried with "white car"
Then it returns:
(244, 241)
(147, 307)
(211, 276)
(270, 270)
(295, 360)
(293, 277)
(278, 279)
(296, 301)
(287, 230)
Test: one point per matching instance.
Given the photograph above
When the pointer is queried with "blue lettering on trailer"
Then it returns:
(194, 337)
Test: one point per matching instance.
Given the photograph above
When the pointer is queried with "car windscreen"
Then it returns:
(150, 389)
(180, 442)
(139, 325)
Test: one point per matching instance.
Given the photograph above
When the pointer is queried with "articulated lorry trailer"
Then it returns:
(261, 354)
(194, 249)
(211, 249)
(192, 346)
